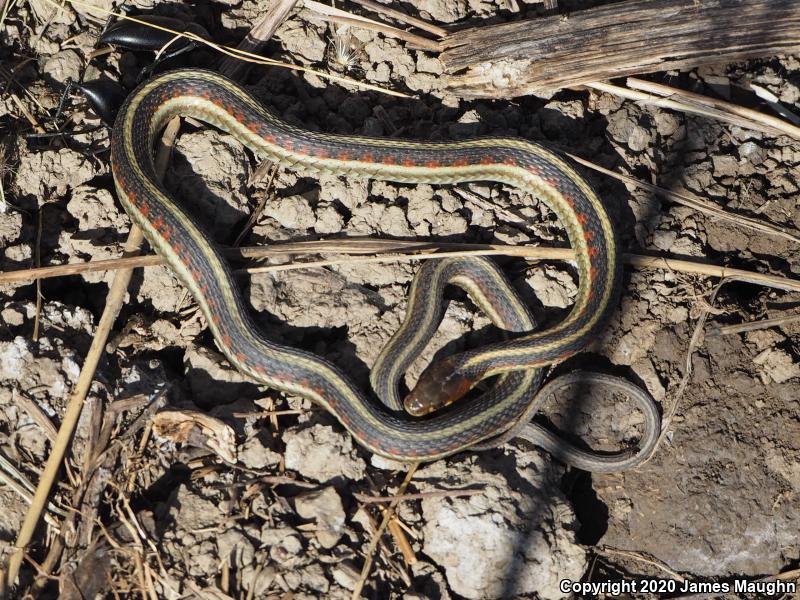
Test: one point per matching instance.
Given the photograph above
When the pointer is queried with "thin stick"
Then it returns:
(387, 515)
(367, 499)
(641, 558)
(747, 114)
(378, 246)
(234, 52)
(690, 200)
(705, 110)
(258, 36)
(336, 15)
(402, 17)
(752, 326)
(116, 297)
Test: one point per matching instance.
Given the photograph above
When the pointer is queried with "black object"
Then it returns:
(105, 97)
(139, 37)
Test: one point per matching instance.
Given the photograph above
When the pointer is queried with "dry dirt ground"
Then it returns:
(717, 501)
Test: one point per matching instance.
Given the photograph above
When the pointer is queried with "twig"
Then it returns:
(752, 119)
(752, 326)
(116, 297)
(337, 15)
(37, 261)
(367, 499)
(234, 52)
(711, 108)
(694, 341)
(257, 37)
(774, 102)
(373, 544)
(378, 246)
(402, 541)
(262, 202)
(692, 201)
(402, 17)
(606, 551)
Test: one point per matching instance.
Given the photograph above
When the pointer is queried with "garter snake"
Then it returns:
(198, 264)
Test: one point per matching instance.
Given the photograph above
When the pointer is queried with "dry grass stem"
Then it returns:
(261, 32)
(114, 301)
(402, 17)
(637, 556)
(753, 325)
(336, 15)
(703, 106)
(692, 201)
(747, 117)
(367, 499)
(373, 544)
(235, 52)
(402, 541)
(394, 251)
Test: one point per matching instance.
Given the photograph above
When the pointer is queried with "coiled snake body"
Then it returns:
(198, 264)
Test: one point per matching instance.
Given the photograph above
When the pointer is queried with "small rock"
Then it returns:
(43, 174)
(192, 511)
(253, 454)
(12, 317)
(293, 212)
(346, 574)
(284, 545)
(64, 65)
(634, 345)
(236, 548)
(777, 365)
(725, 166)
(325, 507)
(322, 454)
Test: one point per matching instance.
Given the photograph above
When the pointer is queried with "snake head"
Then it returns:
(439, 385)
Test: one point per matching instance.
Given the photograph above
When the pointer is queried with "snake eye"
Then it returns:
(439, 385)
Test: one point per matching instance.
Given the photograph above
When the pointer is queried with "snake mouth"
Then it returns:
(440, 384)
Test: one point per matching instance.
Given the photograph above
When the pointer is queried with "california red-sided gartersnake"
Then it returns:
(382, 429)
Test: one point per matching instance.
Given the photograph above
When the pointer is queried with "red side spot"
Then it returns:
(240, 357)
(582, 218)
(226, 339)
(461, 162)
(409, 163)
(158, 223)
(571, 201)
(593, 272)
(288, 145)
(367, 157)
(588, 235)
(143, 208)
(269, 138)
(593, 252)
(343, 155)
(253, 127)
(216, 319)
(204, 290)
(432, 164)
(323, 154)
(487, 160)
